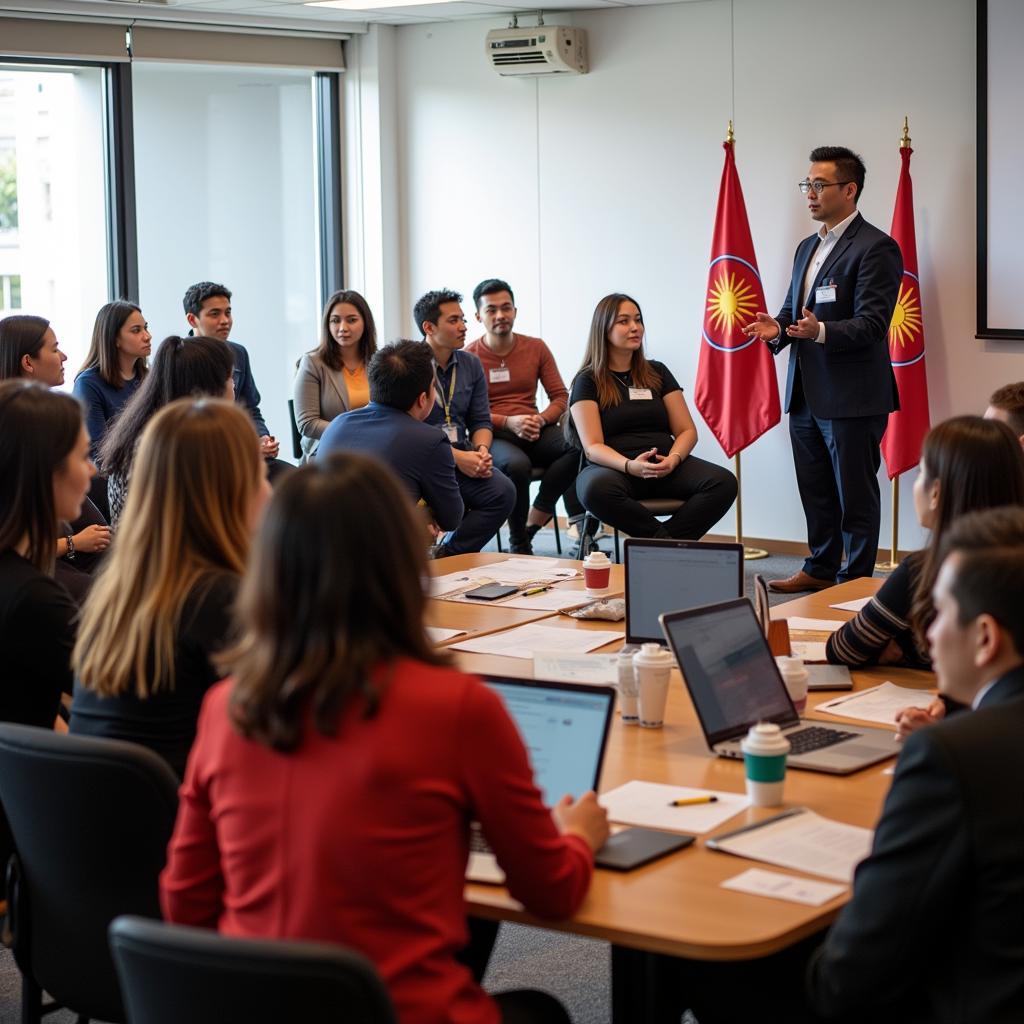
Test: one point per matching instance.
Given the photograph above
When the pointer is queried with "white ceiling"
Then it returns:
(295, 14)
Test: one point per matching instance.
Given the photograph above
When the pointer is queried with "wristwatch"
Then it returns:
(70, 553)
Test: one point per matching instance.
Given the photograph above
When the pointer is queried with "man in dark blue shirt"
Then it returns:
(462, 413)
(391, 427)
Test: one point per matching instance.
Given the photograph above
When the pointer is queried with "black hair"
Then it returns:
(849, 166)
(399, 373)
(103, 347)
(197, 294)
(428, 307)
(182, 367)
(490, 287)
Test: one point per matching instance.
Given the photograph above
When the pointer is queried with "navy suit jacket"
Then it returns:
(418, 453)
(851, 374)
(937, 915)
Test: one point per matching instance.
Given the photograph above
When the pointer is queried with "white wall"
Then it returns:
(575, 187)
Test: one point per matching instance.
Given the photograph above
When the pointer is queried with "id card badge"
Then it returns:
(640, 394)
(826, 293)
(500, 375)
(451, 431)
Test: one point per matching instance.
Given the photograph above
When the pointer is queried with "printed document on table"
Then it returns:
(523, 641)
(814, 625)
(549, 601)
(438, 635)
(879, 704)
(784, 887)
(851, 606)
(803, 841)
(807, 650)
(602, 669)
(648, 804)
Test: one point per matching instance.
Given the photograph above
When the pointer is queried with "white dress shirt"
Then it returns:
(827, 242)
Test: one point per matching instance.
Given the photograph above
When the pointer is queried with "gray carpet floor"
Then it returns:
(574, 969)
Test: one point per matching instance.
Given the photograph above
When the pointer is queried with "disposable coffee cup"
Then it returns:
(795, 675)
(597, 571)
(628, 690)
(764, 761)
(652, 666)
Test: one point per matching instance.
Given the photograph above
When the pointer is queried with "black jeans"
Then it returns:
(516, 458)
(708, 491)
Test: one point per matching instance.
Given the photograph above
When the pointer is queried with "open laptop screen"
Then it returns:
(564, 728)
(669, 576)
(729, 670)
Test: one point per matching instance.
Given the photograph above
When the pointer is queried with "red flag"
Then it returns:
(901, 445)
(736, 390)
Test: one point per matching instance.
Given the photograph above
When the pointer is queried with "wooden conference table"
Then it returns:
(676, 905)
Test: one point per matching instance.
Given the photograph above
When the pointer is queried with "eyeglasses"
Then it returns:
(805, 186)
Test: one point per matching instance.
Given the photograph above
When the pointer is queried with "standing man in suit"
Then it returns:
(840, 388)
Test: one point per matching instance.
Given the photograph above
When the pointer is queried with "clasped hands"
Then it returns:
(767, 328)
(476, 463)
(650, 465)
(528, 426)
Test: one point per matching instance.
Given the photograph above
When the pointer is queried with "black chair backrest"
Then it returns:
(91, 821)
(170, 974)
(296, 436)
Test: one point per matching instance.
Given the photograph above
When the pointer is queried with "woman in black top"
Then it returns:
(45, 470)
(638, 434)
(160, 609)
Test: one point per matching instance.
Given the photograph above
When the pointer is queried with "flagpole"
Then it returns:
(893, 554)
(749, 554)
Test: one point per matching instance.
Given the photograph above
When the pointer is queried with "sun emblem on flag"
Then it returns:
(906, 317)
(730, 299)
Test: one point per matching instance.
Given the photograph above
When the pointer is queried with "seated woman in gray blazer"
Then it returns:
(332, 379)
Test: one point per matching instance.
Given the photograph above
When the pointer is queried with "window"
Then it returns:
(226, 191)
(53, 244)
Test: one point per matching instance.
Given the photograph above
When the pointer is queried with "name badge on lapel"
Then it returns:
(640, 394)
(826, 292)
(500, 375)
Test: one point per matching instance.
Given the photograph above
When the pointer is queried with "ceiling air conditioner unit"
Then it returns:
(544, 50)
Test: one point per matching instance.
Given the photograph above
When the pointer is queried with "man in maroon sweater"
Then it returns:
(524, 436)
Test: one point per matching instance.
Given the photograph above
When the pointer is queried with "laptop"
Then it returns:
(734, 683)
(564, 727)
(671, 575)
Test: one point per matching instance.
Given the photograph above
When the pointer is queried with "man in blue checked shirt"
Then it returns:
(461, 411)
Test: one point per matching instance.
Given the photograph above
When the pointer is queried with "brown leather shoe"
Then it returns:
(799, 582)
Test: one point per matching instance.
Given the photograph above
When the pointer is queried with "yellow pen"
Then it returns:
(690, 801)
(532, 591)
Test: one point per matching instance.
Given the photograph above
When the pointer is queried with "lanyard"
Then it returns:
(446, 404)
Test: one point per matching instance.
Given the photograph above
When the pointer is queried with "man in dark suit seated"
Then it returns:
(934, 931)
(391, 427)
(840, 387)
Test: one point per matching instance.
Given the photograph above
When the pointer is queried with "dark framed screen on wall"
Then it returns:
(1000, 148)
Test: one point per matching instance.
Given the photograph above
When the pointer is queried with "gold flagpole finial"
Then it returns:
(905, 137)
(730, 137)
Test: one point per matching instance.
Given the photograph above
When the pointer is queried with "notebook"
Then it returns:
(672, 575)
(734, 683)
(564, 727)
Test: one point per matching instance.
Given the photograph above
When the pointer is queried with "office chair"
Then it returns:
(170, 973)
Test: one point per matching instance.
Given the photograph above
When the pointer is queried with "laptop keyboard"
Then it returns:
(815, 737)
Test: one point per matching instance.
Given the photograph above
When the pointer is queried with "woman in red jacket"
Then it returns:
(330, 788)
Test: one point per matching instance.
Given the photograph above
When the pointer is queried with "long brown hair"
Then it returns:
(103, 347)
(333, 594)
(979, 465)
(595, 360)
(186, 521)
(329, 350)
(38, 430)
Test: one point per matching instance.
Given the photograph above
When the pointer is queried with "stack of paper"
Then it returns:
(524, 641)
(797, 622)
(802, 840)
(879, 704)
